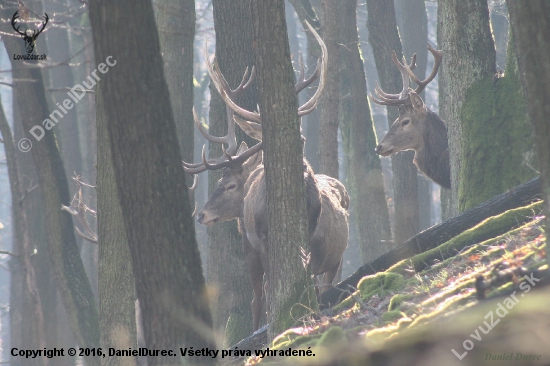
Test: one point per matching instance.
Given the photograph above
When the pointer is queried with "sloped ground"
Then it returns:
(487, 304)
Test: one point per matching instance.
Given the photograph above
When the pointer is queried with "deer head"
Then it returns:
(226, 201)
(407, 131)
(29, 36)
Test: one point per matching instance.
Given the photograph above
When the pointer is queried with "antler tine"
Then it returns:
(235, 160)
(404, 75)
(13, 19)
(438, 56)
(321, 71)
(303, 83)
(226, 94)
(46, 18)
(396, 99)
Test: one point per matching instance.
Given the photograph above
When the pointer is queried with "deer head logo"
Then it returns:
(29, 36)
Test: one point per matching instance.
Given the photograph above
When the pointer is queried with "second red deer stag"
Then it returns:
(241, 192)
(417, 127)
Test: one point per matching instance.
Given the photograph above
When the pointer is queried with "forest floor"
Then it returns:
(446, 314)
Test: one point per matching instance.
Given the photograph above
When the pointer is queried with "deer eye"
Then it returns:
(406, 122)
(231, 187)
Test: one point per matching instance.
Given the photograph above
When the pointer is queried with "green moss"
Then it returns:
(380, 284)
(484, 230)
(332, 337)
(392, 316)
(497, 148)
(397, 300)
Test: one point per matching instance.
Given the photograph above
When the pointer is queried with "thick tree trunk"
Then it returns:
(384, 38)
(328, 129)
(150, 181)
(464, 35)
(117, 293)
(364, 171)
(283, 161)
(531, 28)
(69, 271)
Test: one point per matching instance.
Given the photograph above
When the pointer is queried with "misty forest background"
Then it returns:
(114, 159)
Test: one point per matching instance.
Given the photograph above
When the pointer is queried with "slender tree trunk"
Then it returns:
(328, 131)
(150, 181)
(69, 271)
(412, 21)
(310, 122)
(464, 35)
(384, 38)
(530, 26)
(364, 171)
(283, 161)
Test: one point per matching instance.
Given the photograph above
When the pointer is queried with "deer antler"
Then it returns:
(406, 71)
(13, 19)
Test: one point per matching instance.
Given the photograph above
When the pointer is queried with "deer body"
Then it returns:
(241, 191)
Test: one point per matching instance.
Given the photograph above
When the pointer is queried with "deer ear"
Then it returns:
(252, 129)
(416, 101)
(252, 162)
(242, 148)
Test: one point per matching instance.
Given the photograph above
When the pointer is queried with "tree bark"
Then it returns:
(283, 161)
(384, 38)
(531, 28)
(364, 171)
(117, 293)
(464, 35)
(150, 180)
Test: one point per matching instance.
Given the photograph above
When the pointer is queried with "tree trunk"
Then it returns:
(31, 316)
(117, 293)
(150, 181)
(283, 161)
(412, 21)
(328, 129)
(464, 35)
(531, 28)
(364, 171)
(384, 39)
(69, 271)
(227, 269)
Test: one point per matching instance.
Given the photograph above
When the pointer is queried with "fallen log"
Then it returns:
(438, 234)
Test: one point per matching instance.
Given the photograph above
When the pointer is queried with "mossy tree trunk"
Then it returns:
(464, 35)
(364, 171)
(70, 275)
(150, 180)
(283, 161)
(227, 269)
(117, 293)
(531, 28)
(384, 38)
(497, 151)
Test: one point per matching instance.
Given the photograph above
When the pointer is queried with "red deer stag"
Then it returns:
(417, 127)
(241, 192)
